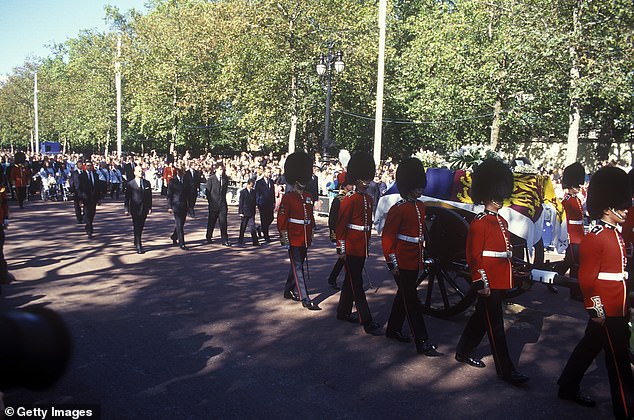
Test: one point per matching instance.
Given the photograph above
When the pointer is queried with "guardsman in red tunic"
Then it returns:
(402, 240)
(5, 276)
(628, 231)
(489, 255)
(345, 190)
(354, 226)
(574, 176)
(20, 177)
(602, 277)
(295, 222)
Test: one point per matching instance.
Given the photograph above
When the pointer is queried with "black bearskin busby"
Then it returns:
(574, 176)
(361, 166)
(631, 176)
(19, 158)
(410, 175)
(169, 159)
(492, 180)
(298, 168)
(609, 189)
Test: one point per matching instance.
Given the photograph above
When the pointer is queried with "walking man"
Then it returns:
(138, 203)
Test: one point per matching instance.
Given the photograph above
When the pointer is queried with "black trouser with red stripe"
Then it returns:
(407, 305)
(352, 290)
(295, 280)
(613, 338)
(488, 318)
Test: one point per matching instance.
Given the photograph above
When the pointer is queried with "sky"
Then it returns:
(28, 26)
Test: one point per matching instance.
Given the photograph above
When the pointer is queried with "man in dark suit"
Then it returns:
(246, 210)
(178, 193)
(73, 183)
(192, 176)
(138, 202)
(216, 189)
(128, 171)
(89, 195)
(265, 200)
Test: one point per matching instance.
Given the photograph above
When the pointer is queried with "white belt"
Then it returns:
(575, 222)
(299, 221)
(359, 227)
(412, 239)
(613, 276)
(497, 254)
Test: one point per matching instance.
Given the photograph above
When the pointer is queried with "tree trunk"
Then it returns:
(293, 131)
(495, 124)
(574, 112)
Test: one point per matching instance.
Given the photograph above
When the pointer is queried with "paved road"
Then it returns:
(206, 334)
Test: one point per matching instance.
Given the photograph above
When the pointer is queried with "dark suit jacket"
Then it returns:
(246, 203)
(178, 196)
(89, 191)
(216, 195)
(73, 182)
(265, 193)
(138, 201)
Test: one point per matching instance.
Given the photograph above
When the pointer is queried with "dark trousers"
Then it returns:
(488, 318)
(248, 221)
(336, 269)
(79, 211)
(613, 338)
(21, 193)
(352, 290)
(266, 218)
(90, 208)
(4, 271)
(179, 227)
(217, 215)
(407, 305)
(114, 190)
(295, 280)
(192, 204)
(138, 222)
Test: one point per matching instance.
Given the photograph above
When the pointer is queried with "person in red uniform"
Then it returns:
(5, 276)
(573, 177)
(345, 190)
(602, 278)
(295, 222)
(20, 177)
(489, 253)
(403, 242)
(628, 230)
(353, 231)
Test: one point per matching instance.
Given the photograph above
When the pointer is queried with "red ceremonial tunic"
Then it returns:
(628, 230)
(354, 224)
(168, 173)
(602, 272)
(20, 176)
(574, 218)
(402, 236)
(489, 250)
(4, 204)
(295, 216)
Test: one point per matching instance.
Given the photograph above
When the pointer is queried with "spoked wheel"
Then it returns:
(445, 284)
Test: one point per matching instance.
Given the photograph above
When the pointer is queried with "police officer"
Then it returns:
(602, 276)
(489, 255)
(402, 241)
(295, 222)
(354, 226)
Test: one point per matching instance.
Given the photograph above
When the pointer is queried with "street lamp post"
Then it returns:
(324, 67)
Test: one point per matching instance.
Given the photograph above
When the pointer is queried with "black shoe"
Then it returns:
(515, 378)
(226, 244)
(292, 296)
(138, 251)
(372, 328)
(463, 358)
(426, 348)
(398, 336)
(310, 305)
(209, 241)
(353, 318)
(174, 241)
(333, 284)
(578, 398)
(184, 247)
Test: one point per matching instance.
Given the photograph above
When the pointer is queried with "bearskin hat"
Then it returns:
(410, 175)
(360, 166)
(298, 167)
(574, 176)
(492, 180)
(609, 188)
(631, 176)
(19, 157)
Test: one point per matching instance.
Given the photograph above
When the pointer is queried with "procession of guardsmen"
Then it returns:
(599, 257)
